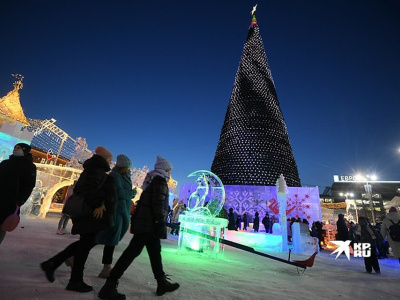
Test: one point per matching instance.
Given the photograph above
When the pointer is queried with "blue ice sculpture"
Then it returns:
(200, 229)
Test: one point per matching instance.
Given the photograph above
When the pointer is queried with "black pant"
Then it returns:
(372, 261)
(108, 253)
(135, 247)
(80, 251)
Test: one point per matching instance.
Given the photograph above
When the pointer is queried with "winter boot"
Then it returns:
(164, 286)
(109, 291)
(65, 231)
(80, 287)
(48, 268)
(105, 273)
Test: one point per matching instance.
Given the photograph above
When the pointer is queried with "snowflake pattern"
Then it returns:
(299, 206)
(302, 202)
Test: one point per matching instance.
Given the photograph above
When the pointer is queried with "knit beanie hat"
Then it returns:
(123, 161)
(162, 164)
(103, 152)
(393, 209)
(25, 148)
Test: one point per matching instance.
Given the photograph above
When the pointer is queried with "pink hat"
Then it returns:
(393, 209)
(103, 152)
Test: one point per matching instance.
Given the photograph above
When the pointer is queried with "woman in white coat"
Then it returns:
(394, 216)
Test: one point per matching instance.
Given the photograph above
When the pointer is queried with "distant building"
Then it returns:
(358, 193)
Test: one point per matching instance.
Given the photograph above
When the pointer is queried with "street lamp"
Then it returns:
(368, 190)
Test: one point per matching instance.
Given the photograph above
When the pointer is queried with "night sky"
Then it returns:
(148, 78)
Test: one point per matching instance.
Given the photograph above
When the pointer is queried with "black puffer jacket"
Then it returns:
(94, 175)
(149, 213)
(17, 180)
(342, 230)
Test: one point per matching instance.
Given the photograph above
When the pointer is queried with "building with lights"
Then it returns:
(12, 121)
(356, 194)
(52, 147)
(43, 136)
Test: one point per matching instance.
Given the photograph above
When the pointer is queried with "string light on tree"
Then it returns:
(254, 146)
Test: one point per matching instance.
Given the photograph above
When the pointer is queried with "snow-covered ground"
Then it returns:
(236, 275)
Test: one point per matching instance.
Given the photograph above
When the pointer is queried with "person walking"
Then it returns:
(62, 224)
(113, 235)
(17, 180)
(100, 194)
(256, 222)
(393, 217)
(368, 235)
(147, 225)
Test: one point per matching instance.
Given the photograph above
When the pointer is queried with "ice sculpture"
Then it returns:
(138, 176)
(49, 180)
(34, 202)
(200, 229)
(281, 186)
(80, 154)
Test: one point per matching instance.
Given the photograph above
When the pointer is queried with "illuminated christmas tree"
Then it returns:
(254, 146)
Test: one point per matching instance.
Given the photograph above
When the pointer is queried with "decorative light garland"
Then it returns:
(254, 146)
(334, 205)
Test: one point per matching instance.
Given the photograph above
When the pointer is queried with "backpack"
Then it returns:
(394, 231)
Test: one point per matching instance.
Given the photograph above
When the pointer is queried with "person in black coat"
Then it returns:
(245, 222)
(266, 222)
(256, 222)
(342, 230)
(17, 180)
(231, 220)
(100, 194)
(368, 235)
(239, 223)
(148, 226)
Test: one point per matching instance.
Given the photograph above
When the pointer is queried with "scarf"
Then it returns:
(151, 174)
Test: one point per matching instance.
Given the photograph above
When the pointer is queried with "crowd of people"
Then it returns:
(108, 196)
(378, 236)
(241, 222)
(109, 193)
